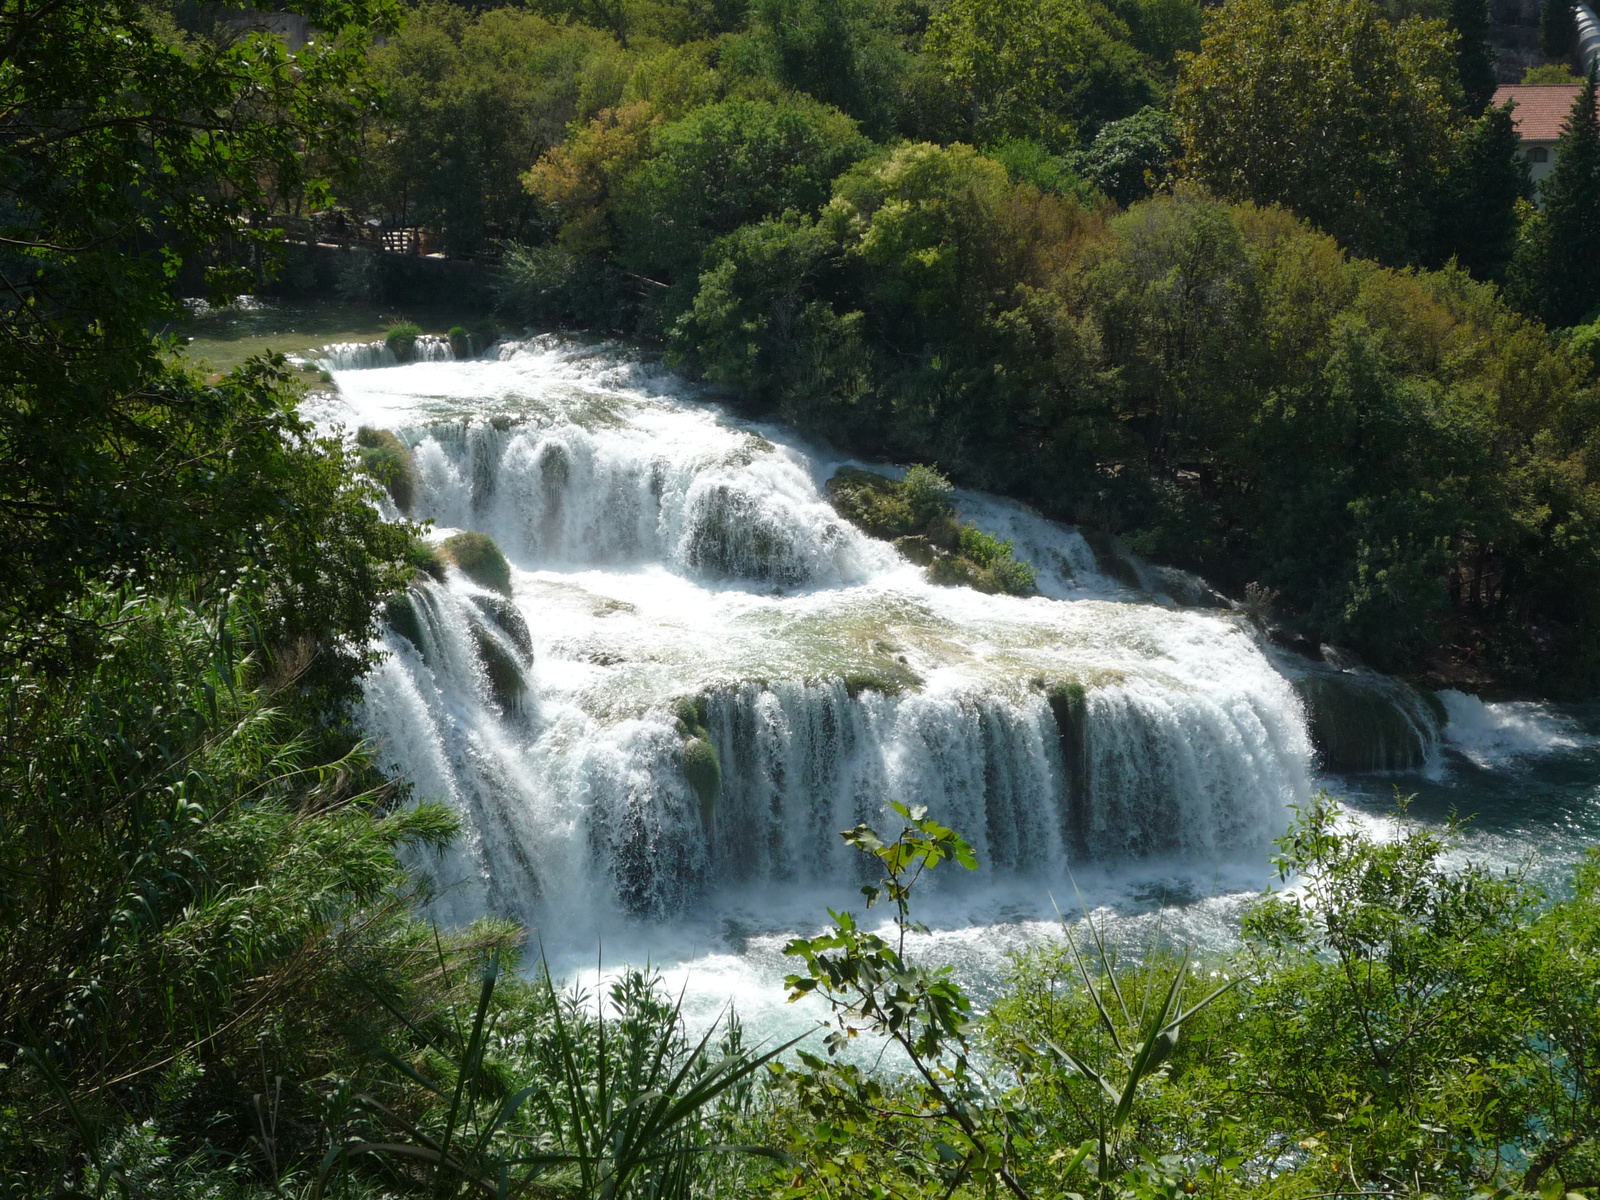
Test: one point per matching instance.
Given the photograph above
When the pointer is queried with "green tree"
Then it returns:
(1353, 133)
(196, 868)
(1173, 294)
(723, 166)
(1428, 993)
(1474, 52)
(1026, 161)
(1054, 72)
(1558, 28)
(763, 323)
(1477, 219)
(1131, 157)
(133, 153)
(471, 99)
(1554, 273)
(1161, 29)
(843, 52)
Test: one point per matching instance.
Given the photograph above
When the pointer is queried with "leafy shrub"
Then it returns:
(220, 887)
(401, 339)
(480, 560)
(873, 503)
(1130, 158)
(917, 513)
(1014, 577)
(927, 492)
(997, 570)
(386, 458)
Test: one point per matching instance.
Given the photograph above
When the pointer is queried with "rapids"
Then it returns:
(664, 551)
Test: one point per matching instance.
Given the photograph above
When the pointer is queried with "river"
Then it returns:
(665, 551)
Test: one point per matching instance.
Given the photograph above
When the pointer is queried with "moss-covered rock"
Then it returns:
(400, 614)
(704, 773)
(1069, 704)
(504, 613)
(883, 508)
(732, 534)
(485, 333)
(506, 686)
(386, 459)
(480, 560)
(701, 767)
(916, 548)
(918, 515)
(691, 712)
(1362, 722)
(1111, 558)
(885, 683)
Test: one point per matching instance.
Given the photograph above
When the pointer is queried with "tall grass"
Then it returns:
(531, 1092)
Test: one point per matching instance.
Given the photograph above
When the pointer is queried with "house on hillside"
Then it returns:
(1538, 116)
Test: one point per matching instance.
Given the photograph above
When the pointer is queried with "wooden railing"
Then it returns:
(346, 234)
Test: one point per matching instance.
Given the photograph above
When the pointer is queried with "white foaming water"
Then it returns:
(1495, 734)
(664, 551)
(362, 356)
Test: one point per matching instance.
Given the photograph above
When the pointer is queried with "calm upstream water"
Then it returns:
(664, 550)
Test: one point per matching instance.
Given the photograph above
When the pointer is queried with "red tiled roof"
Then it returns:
(1540, 109)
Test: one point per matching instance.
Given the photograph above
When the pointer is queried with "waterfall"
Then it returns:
(354, 356)
(363, 356)
(682, 590)
(579, 497)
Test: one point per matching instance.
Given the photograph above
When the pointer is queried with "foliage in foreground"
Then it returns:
(1395, 1025)
(199, 897)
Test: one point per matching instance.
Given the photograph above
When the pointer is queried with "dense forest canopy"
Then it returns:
(1259, 288)
(1267, 304)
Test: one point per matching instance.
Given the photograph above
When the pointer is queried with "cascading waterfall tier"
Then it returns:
(679, 581)
(363, 356)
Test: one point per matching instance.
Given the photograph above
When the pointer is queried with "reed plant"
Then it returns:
(531, 1092)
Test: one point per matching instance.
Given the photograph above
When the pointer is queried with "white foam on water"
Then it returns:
(1495, 734)
(664, 550)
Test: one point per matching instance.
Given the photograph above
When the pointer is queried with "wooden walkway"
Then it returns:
(337, 234)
